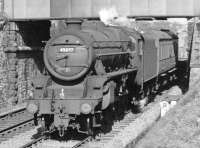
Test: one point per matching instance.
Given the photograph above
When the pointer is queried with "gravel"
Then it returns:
(19, 140)
(57, 144)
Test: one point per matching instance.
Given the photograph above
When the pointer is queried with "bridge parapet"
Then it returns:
(22, 9)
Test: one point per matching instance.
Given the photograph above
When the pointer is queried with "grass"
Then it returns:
(180, 128)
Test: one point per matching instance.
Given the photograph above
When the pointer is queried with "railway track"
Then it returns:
(35, 142)
(45, 142)
(18, 123)
(14, 122)
(105, 139)
(129, 130)
(100, 141)
(25, 123)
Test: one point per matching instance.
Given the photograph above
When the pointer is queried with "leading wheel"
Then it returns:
(89, 122)
(35, 119)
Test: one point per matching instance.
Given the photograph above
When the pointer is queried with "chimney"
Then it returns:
(74, 24)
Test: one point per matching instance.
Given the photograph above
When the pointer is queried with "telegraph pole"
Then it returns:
(190, 53)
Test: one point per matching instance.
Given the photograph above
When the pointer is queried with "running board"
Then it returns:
(120, 72)
(170, 71)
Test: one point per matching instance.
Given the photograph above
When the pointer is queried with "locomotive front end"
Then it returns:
(68, 56)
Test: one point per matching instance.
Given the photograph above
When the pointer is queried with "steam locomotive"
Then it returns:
(97, 71)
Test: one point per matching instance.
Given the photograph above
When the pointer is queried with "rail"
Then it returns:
(12, 110)
(30, 144)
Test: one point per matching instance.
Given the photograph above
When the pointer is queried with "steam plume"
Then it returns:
(110, 16)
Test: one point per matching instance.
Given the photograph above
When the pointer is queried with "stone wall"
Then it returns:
(20, 60)
(3, 70)
(11, 40)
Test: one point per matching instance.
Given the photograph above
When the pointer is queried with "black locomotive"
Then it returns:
(96, 70)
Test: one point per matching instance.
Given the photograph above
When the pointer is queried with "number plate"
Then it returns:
(67, 50)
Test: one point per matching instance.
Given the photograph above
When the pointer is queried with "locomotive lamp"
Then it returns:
(32, 108)
(86, 108)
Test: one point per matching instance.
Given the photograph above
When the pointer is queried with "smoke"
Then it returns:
(107, 15)
(110, 16)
